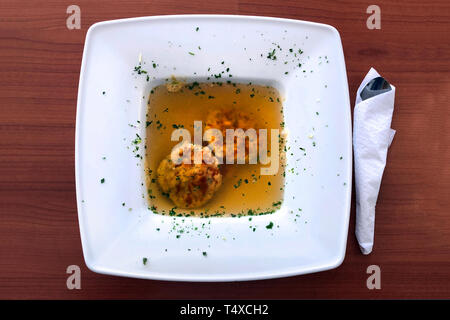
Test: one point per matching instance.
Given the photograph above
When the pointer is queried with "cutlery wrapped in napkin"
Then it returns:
(372, 136)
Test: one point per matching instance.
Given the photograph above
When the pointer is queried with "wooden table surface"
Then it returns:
(39, 70)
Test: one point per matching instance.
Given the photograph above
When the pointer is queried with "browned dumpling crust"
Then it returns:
(231, 118)
(190, 185)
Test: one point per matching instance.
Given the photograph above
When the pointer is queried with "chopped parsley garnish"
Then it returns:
(271, 55)
(238, 184)
(172, 213)
(102, 180)
(276, 204)
(139, 69)
(137, 140)
(144, 261)
(270, 225)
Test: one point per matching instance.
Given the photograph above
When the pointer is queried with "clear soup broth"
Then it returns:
(243, 189)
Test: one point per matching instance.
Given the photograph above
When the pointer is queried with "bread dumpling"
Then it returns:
(189, 185)
(223, 119)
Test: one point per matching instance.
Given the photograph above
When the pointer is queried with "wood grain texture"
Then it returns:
(39, 68)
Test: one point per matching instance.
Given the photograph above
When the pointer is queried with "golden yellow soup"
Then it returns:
(228, 189)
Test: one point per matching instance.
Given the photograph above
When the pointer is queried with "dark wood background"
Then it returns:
(39, 70)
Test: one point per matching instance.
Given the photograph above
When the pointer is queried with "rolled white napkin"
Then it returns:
(372, 136)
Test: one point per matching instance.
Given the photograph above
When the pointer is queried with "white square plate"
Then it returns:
(118, 230)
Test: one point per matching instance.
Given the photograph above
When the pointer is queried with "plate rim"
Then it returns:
(334, 263)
